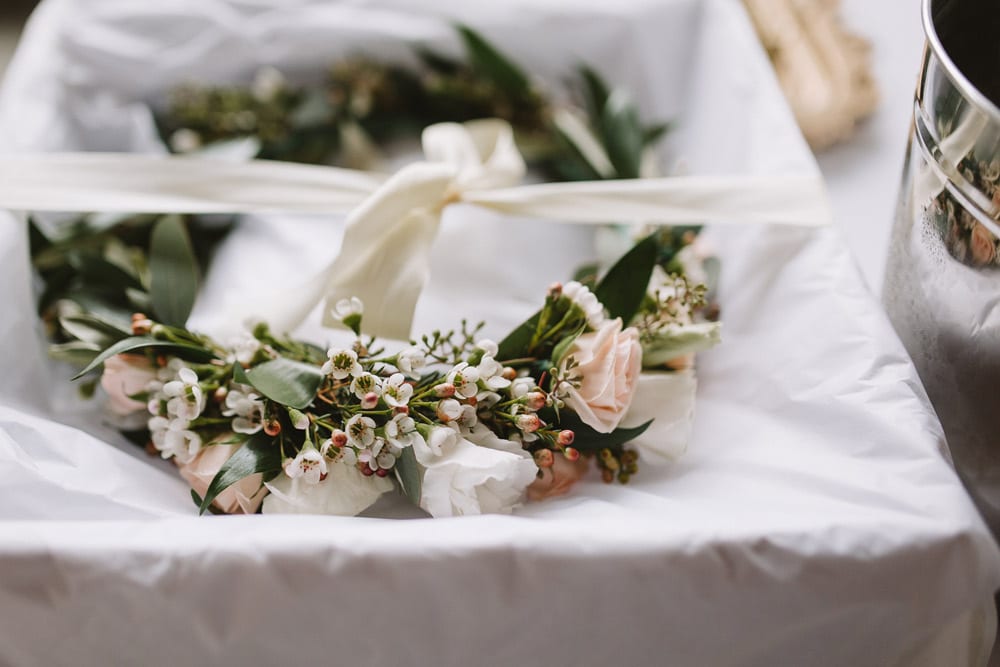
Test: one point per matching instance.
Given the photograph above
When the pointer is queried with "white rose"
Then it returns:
(473, 479)
(344, 492)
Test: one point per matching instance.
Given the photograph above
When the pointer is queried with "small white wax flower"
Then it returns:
(308, 464)
(267, 83)
(488, 347)
(529, 423)
(379, 455)
(185, 399)
(449, 410)
(243, 348)
(401, 430)
(396, 392)
(465, 378)
(347, 307)
(342, 363)
(174, 438)
(587, 301)
(487, 399)
(440, 441)
(521, 386)
(360, 431)
(247, 410)
(349, 312)
(300, 421)
(366, 383)
(468, 418)
(185, 140)
(411, 359)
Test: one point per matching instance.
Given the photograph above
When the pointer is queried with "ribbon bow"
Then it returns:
(393, 221)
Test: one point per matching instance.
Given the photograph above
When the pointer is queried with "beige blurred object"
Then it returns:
(824, 70)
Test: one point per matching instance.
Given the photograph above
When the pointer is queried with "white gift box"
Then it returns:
(814, 519)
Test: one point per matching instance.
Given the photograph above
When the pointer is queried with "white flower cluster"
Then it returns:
(175, 400)
(581, 295)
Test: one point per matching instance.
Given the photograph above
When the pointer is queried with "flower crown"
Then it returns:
(457, 423)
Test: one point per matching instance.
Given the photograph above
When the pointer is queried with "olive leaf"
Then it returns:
(408, 475)
(622, 134)
(257, 455)
(624, 286)
(182, 350)
(173, 271)
(284, 381)
(492, 64)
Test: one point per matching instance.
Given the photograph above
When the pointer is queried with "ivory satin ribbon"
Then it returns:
(393, 221)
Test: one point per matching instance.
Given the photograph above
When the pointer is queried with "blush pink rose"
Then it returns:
(981, 245)
(609, 362)
(558, 479)
(243, 497)
(126, 375)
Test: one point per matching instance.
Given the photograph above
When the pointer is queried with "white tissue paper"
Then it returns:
(814, 519)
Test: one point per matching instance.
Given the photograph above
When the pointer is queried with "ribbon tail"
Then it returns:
(385, 256)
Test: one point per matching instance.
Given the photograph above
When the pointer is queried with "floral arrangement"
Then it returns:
(968, 240)
(457, 423)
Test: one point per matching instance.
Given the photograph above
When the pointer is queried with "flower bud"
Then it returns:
(555, 290)
(402, 410)
(544, 458)
(534, 400)
(366, 471)
(338, 438)
(141, 327)
(607, 476)
(369, 401)
(571, 453)
(272, 427)
(529, 423)
(566, 437)
(444, 390)
(508, 373)
(220, 394)
(381, 472)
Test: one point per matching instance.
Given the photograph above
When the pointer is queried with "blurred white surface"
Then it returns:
(863, 174)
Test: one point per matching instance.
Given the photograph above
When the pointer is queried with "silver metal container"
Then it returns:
(942, 288)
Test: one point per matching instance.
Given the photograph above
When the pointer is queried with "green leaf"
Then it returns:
(99, 272)
(492, 64)
(77, 352)
(596, 93)
(588, 440)
(587, 274)
(624, 287)
(259, 454)
(515, 345)
(673, 343)
(622, 134)
(287, 382)
(182, 350)
(91, 329)
(653, 133)
(439, 62)
(563, 346)
(173, 271)
(408, 474)
(240, 374)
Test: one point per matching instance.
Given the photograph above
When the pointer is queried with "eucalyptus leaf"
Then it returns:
(653, 133)
(622, 134)
(173, 271)
(624, 286)
(408, 474)
(99, 272)
(259, 454)
(182, 350)
(287, 382)
(492, 64)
